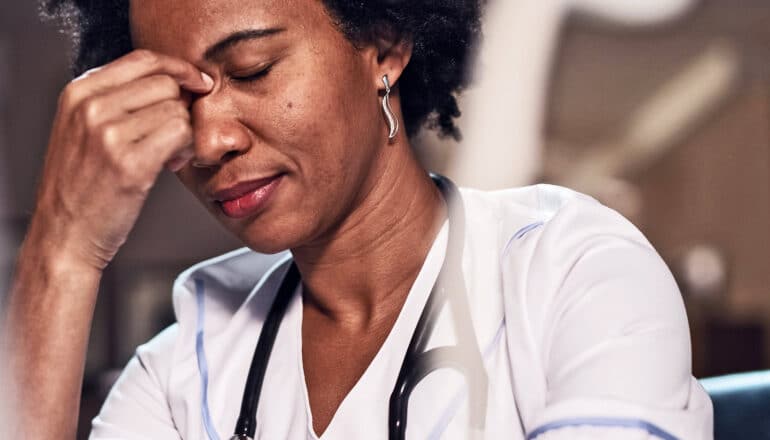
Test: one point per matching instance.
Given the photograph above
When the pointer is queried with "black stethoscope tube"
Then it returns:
(247, 419)
(464, 357)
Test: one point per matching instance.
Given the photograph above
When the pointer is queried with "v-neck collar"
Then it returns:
(365, 407)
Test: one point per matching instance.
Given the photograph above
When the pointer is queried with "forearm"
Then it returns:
(115, 129)
(45, 334)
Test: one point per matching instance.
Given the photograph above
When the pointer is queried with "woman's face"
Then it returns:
(287, 142)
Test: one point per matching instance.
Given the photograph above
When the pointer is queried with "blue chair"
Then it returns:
(741, 405)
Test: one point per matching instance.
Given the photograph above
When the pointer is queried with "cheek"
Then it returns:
(314, 122)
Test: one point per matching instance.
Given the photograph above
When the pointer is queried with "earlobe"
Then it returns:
(393, 55)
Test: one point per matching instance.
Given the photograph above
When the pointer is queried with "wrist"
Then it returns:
(59, 250)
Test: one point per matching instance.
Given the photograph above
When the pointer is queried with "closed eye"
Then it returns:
(251, 77)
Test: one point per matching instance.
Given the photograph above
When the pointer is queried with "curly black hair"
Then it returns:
(443, 33)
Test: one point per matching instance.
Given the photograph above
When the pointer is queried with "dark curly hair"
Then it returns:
(442, 32)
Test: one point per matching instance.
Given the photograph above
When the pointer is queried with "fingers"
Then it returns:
(130, 67)
(135, 166)
(133, 108)
(141, 63)
(171, 143)
(151, 136)
(139, 124)
(141, 94)
(115, 128)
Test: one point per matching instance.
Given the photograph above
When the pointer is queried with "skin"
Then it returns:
(357, 210)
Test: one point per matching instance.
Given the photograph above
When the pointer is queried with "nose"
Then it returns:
(218, 135)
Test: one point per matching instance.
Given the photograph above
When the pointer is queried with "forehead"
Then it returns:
(186, 28)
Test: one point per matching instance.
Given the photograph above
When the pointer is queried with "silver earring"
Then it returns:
(392, 120)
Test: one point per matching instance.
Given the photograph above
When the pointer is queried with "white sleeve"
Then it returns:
(612, 332)
(136, 407)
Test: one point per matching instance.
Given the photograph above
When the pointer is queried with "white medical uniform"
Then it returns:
(580, 324)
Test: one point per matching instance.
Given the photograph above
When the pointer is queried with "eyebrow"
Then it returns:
(237, 37)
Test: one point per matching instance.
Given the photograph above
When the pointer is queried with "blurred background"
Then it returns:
(660, 109)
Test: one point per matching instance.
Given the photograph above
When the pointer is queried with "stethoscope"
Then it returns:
(419, 361)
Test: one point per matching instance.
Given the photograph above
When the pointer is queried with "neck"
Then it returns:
(360, 273)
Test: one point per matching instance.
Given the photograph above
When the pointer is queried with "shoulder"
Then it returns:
(548, 227)
(554, 209)
(595, 321)
(563, 257)
(560, 247)
(542, 225)
(576, 275)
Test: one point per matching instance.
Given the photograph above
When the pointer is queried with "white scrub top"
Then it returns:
(581, 327)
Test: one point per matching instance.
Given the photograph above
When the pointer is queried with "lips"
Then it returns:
(246, 198)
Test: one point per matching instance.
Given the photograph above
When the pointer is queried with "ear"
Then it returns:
(393, 53)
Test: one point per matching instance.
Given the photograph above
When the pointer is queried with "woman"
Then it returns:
(290, 121)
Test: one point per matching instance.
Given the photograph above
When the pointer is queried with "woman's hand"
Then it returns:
(115, 128)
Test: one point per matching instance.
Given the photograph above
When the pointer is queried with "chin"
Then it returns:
(269, 237)
(266, 247)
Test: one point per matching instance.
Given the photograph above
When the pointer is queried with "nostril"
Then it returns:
(229, 155)
(201, 162)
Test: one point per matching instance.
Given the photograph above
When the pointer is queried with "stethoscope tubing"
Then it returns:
(463, 357)
(246, 426)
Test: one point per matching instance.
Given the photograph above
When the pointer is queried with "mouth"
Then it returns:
(246, 198)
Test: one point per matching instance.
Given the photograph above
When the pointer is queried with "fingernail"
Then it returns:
(207, 79)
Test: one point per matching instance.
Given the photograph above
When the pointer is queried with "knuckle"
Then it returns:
(90, 111)
(114, 165)
(126, 170)
(130, 183)
(132, 173)
(133, 176)
(108, 135)
(69, 95)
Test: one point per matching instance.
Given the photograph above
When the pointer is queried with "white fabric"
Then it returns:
(581, 326)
